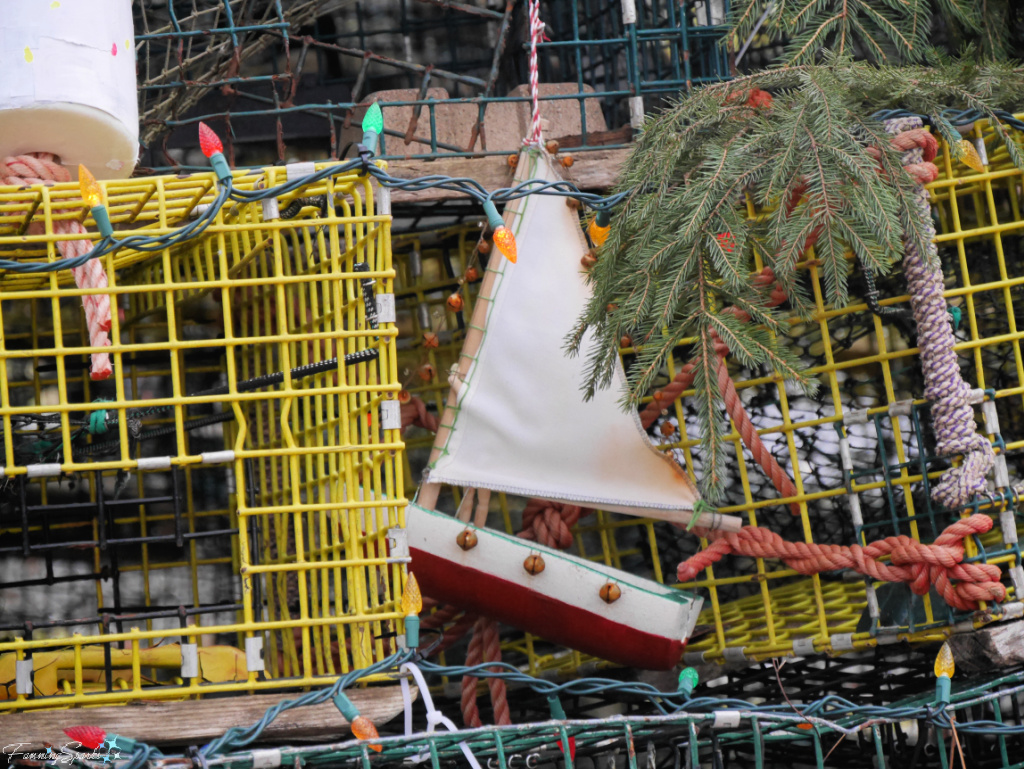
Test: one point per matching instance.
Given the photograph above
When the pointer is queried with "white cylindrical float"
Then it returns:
(68, 83)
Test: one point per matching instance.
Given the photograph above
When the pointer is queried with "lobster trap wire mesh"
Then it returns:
(290, 80)
(234, 481)
(872, 386)
(888, 724)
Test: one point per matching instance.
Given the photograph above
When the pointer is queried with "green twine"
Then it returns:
(700, 506)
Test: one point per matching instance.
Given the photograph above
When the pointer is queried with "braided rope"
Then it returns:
(917, 564)
(952, 413)
(536, 31)
(484, 646)
(474, 656)
(488, 628)
(42, 168)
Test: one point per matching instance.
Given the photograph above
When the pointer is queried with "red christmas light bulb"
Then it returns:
(209, 142)
(90, 736)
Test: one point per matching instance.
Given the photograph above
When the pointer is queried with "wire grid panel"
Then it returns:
(233, 484)
(291, 80)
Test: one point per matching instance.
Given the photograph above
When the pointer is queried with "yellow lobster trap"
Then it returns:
(864, 443)
(215, 515)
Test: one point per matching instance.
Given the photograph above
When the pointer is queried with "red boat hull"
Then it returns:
(542, 615)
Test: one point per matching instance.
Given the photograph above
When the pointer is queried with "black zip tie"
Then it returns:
(871, 298)
(369, 299)
(293, 209)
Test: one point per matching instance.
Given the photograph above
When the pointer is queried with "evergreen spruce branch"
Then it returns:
(707, 397)
(682, 245)
(881, 30)
(760, 314)
(905, 29)
(902, 186)
(753, 346)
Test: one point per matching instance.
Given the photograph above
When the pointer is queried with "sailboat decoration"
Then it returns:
(515, 421)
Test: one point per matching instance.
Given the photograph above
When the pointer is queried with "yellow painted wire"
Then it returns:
(314, 483)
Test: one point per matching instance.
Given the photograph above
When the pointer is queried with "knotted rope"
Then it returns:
(42, 168)
(550, 523)
(919, 565)
(952, 413)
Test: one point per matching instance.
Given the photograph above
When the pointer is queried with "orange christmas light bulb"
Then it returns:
(506, 243)
(944, 665)
(92, 193)
(363, 729)
(971, 158)
(412, 598)
(598, 234)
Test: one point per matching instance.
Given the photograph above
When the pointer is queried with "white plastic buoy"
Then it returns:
(68, 85)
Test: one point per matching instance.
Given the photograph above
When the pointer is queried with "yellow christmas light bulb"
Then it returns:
(363, 729)
(412, 599)
(598, 234)
(971, 157)
(506, 243)
(944, 665)
(92, 193)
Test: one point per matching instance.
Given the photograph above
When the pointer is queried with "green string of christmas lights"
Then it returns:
(373, 126)
(831, 713)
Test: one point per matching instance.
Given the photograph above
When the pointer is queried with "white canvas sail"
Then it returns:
(516, 420)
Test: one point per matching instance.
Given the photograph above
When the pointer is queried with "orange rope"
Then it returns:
(910, 561)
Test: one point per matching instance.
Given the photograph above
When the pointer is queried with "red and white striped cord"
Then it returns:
(42, 168)
(536, 32)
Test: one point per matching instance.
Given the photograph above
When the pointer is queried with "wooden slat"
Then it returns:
(193, 722)
(595, 171)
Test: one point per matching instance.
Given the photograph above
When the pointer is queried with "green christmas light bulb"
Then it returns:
(688, 680)
(373, 127)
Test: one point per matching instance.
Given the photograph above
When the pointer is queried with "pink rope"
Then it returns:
(42, 168)
(536, 32)
(952, 413)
